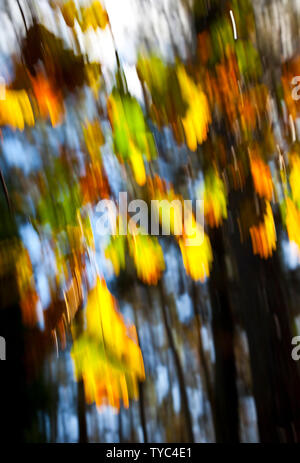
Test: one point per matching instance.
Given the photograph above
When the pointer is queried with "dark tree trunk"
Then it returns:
(81, 408)
(141, 387)
(14, 410)
(275, 375)
(81, 413)
(142, 412)
(225, 388)
(202, 358)
(178, 366)
(120, 426)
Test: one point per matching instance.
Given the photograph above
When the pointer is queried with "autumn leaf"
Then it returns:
(16, 110)
(215, 207)
(106, 355)
(263, 235)
(148, 258)
(197, 118)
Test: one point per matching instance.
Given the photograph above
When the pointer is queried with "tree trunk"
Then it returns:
(275, 375)
(225, 388)
(81, 408)
(141, 387)
(179, 370)
(202, 358)
(81, 413)
(15, 412)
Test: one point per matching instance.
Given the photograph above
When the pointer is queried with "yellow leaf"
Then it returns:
(107, 356)
(16, 110)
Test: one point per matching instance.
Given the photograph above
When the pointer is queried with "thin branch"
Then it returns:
(23, 16)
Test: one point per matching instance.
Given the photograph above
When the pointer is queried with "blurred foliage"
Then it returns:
(213, 121)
